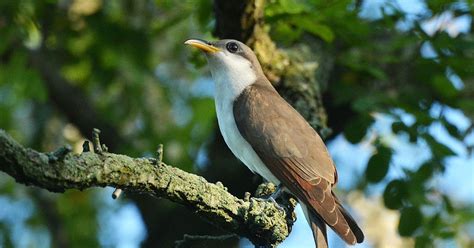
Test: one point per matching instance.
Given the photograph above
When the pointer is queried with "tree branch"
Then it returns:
(259, 220)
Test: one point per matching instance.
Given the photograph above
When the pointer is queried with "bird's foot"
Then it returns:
(276, 195)
(272, 200)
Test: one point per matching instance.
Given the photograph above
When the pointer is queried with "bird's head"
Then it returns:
(229, 60)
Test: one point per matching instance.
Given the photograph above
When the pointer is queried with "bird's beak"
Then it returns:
(203, 45)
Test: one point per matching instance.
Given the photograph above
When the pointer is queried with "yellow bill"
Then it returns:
(204, 46)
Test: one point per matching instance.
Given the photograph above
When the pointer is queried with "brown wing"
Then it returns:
(292, 151)
(278, 131)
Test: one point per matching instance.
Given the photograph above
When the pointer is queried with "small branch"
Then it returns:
(85, 146)
(160, 153)
(258, 220)
(96, 141)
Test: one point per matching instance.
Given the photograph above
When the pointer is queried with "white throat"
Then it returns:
(232, 74)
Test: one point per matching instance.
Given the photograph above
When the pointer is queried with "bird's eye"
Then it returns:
(232, 47)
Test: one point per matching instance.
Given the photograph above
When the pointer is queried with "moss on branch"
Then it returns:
(259, 220)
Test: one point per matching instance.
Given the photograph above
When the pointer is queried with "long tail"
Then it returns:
(354, 228)
(345, 227)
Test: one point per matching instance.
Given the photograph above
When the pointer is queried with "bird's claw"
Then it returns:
(272, 200)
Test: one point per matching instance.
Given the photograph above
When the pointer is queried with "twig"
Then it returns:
(96, 141)
(159, 151)
(85, 146)
(100, 148)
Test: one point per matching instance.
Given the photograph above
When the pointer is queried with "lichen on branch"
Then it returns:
(259, 220)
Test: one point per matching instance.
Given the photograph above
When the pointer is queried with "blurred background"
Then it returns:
(397, 88)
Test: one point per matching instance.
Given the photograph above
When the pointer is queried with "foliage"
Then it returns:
(128, 59)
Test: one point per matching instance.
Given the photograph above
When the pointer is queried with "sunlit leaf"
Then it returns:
(317, 29)
(78, 72)
(293, 6)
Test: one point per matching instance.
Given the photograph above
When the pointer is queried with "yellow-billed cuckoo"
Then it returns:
(273, 140)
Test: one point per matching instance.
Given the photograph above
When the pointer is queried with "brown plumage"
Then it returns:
(295, 154)
(273, 139)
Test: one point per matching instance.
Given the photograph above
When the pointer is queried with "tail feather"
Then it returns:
(318, 227)
(355, 229)
(343, 229)
(345, 226)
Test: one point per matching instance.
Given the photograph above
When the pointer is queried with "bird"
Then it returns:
(273, 140)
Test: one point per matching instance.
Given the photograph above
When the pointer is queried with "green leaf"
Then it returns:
(423, 242)
(424, 173)
(444, 87)
(25, 82)
(78, 72)
(395, 193)
(452, 129)
(5, 234)
(204, 12)
(369, 103)
(356, 129)
(438, 149)
(285, 33)
(377, 73)
(410, 220)
(275, 10)
(292, 6)
(447, 204)
(447, 234)
(314, 28)
(467, 105)
(378, 165)
(398, 127)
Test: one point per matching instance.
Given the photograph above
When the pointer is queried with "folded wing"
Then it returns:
(294, 153)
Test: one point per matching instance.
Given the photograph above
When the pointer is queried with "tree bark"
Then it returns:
(259, 220)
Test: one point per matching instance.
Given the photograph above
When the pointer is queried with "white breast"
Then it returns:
(230, 80)
(237, 144)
